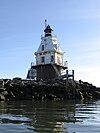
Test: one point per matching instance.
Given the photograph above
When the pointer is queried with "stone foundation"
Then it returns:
(19, 89)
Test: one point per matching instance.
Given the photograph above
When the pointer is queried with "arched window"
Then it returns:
(42, 47)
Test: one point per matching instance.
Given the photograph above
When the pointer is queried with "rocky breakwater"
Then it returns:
(18, 89)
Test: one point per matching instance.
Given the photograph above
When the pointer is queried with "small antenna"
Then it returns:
(45, 23)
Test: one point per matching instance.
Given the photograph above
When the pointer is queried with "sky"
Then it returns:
(75, 22)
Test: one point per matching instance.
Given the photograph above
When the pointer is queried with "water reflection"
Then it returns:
(47, 116)
(50, 116)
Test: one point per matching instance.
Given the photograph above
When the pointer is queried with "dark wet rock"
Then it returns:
(2, 97)
(19, 89)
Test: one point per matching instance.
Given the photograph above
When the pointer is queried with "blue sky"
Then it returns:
(75, 22)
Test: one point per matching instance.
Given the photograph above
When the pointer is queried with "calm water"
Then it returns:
(50, 117)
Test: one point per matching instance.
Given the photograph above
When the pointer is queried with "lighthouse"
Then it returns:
(49, 57)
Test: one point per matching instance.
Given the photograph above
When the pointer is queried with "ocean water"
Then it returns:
(67, 116)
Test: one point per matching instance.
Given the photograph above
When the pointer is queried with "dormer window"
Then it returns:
(42, 47)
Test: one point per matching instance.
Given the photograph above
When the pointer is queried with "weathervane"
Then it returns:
(45, 23)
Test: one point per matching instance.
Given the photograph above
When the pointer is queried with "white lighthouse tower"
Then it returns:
(49, 56)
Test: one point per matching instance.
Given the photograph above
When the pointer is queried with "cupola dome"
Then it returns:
(48, 31)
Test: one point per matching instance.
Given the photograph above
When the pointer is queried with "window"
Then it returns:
(42, 59)
(42, 47)
(52, 58)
